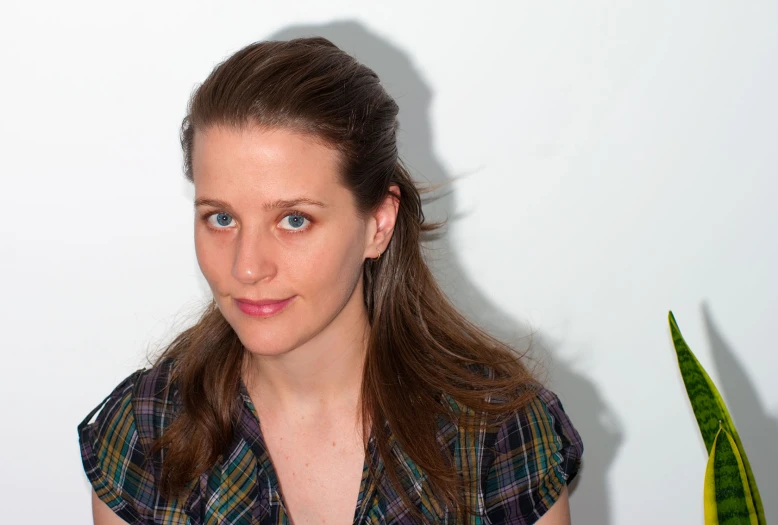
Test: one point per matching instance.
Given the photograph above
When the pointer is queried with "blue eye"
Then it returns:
(222, 220)
(294, 221)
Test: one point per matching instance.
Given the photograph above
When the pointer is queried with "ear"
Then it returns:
(381, 223)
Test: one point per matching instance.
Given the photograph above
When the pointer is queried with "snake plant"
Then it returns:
(730, 493)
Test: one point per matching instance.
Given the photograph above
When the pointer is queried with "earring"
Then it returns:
(376, 258)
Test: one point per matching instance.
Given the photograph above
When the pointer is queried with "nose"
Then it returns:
(254, 258)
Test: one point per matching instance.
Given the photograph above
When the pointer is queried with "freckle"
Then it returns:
(306, 464)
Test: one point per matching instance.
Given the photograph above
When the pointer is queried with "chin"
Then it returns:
(266, 350)
(269, 339)
(264, 341)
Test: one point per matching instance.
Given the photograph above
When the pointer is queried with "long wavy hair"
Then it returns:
(420, 348)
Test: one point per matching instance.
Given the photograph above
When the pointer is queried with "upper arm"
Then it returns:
(102, 513)
(559, 513)
(535, 454)
(115, 461)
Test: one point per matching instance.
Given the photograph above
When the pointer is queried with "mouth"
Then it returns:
(263, 308)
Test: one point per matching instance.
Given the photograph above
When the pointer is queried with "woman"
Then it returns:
(378, 401)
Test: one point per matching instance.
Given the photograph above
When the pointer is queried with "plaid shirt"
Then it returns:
(514, 473)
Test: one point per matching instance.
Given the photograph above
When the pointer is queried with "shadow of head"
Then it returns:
(406, 84)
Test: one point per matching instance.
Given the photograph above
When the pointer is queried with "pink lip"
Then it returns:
(264, 308)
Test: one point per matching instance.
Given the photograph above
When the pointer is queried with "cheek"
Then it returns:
(210, 258)
(330, 267)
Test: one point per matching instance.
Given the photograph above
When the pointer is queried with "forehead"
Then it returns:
(263, 162)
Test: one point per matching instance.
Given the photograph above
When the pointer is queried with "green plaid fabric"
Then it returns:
(513, 473)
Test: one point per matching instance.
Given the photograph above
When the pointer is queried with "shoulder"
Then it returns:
(145, 400)
(115, 436)
(529, 459)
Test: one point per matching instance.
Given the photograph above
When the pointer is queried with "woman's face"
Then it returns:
(272, 222)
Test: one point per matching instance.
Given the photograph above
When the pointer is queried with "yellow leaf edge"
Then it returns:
(709, 491)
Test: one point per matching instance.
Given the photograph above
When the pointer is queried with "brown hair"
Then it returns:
(420, 347)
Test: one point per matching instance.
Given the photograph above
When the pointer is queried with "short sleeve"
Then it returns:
(536, 452)
(113, 456)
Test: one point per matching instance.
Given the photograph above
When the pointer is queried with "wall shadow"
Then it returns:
(591, 416)
(758, 429)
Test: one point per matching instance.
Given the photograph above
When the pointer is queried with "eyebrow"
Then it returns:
(267, 206)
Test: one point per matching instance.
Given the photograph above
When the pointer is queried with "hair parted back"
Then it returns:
(420, 347)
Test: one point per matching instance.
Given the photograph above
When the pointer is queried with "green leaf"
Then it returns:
(710, 410)
(727, 496)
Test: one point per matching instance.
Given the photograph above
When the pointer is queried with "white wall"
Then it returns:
(618, 161)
